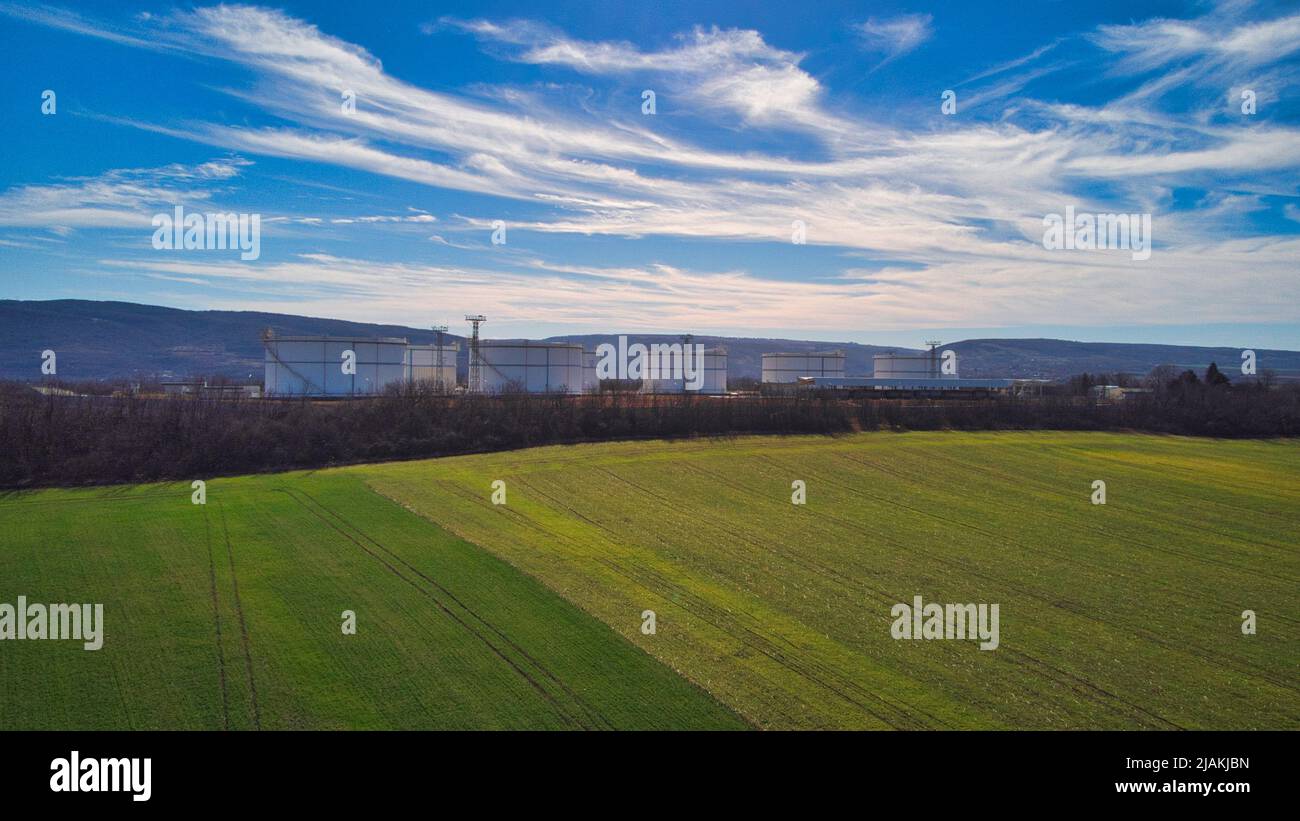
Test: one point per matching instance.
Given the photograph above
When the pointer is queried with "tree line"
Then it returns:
(59, 439)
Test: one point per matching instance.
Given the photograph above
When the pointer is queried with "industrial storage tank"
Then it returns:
(432, 365)
(714, 378)
(535, 367)
(781, 368)
(910, 366)
(590, 381)
(313, 365)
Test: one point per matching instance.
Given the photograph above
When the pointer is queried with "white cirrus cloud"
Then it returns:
(895, 36)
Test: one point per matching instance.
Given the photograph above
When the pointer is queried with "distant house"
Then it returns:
(1115, 393)
(196, 387)
(182, 388)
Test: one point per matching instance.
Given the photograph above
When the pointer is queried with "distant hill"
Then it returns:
(111, 340)
(114, 340)
(1055, 358)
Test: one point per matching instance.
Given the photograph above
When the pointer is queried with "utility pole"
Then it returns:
(439, 330)
(475, 363)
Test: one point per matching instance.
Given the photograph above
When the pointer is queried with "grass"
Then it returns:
(528, 614)
(1126, 615)
(229, 616)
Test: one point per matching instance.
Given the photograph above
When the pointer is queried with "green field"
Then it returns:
(528, 614)
(229, 615)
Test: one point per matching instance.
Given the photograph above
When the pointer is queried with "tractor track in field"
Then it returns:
(216, 617)
(811, 670)
(243, 625)
(497, 651)
(592, 713)
(1188, 649)
(1096, 694)
(529, 523)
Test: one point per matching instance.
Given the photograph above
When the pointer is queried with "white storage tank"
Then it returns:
(534, 367)
(313, 365)
(422, 365)
(910, 366)
(714, 382)
(590, 381)
(781, 368)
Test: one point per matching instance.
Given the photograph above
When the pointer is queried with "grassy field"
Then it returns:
(228, 615)
(1126, 615)
(470, 614)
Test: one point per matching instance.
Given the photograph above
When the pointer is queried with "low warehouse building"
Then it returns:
(947, 387)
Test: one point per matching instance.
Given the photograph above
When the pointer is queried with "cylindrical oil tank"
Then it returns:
(909, 366)
(535, 367)
(590, 381)
(714, 382)
(314, 365)
(431, 365)
(779, 368)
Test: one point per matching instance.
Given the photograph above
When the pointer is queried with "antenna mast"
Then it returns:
(475, 363)
(439, 330)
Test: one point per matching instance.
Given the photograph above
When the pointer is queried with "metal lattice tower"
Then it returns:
(439, 330)
(475, 363)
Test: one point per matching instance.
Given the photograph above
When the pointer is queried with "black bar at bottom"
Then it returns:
(673, 770)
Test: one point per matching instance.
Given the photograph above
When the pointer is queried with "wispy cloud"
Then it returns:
(952, 206)
(729, 69)
(895, 36)
(122, 198)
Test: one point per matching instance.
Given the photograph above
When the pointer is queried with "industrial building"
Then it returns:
(315, 365)
(787, 368)
(200, 387)
(890, 388)
(512, 366)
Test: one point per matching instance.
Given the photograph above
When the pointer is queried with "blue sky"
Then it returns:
(918, 223)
